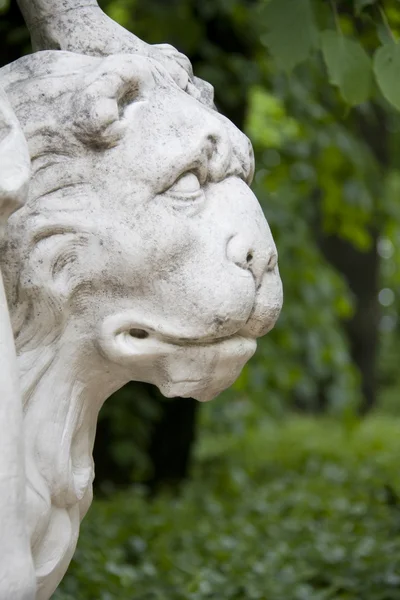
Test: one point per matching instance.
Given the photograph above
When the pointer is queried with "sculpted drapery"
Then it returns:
(138, 253)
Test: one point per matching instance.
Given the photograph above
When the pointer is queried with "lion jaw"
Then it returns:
(62, 399)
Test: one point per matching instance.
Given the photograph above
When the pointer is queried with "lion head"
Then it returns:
(141, 254)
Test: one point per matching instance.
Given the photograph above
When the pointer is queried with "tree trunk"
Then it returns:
(361, 271)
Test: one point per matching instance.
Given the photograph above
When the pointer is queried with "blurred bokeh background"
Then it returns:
(287, 486)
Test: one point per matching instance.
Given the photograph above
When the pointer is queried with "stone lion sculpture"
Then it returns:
(140, 254)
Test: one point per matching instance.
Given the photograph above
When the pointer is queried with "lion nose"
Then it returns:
(247, 256)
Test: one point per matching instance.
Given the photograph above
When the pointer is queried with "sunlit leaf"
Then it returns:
(387, 72)
(291, 31)
(349, 66)
(359, 5)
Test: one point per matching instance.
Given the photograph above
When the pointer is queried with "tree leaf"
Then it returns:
(291, 31)
(359, 5)
(349, 66)
(387, 72)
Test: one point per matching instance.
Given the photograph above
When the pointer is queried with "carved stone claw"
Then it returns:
(81, 26)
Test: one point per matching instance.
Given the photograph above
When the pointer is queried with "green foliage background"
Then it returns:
(304, 510)
(292, 72)
(280, 506)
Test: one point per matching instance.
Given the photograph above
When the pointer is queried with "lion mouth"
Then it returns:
(160, 334)
(203, 369)
(182, 361)
(195, 367)
(178, 381)
(198, 341)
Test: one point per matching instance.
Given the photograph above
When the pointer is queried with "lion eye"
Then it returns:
(187, 185)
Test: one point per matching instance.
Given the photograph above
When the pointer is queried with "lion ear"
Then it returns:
(117, 82)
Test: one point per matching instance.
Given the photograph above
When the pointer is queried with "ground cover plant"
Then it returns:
(306, 509)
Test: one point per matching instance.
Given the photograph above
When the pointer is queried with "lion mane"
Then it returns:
(66, 104)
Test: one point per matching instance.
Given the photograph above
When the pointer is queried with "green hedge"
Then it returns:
(302, 510)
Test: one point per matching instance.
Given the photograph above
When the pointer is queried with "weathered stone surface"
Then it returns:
(17, 579)
(140, 254)
(81, 26)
